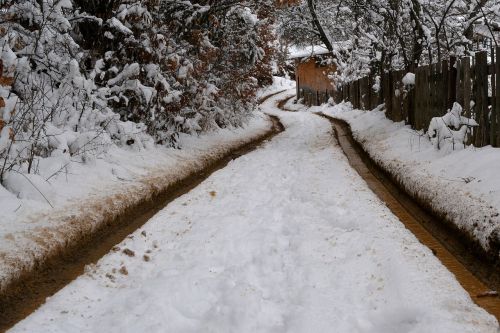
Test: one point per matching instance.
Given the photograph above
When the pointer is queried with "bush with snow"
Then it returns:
(450, 130)
(409, 79)
(80, 76)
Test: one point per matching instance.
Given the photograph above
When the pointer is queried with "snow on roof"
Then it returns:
(308, 51)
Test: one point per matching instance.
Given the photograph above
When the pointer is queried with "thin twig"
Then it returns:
(35, 187)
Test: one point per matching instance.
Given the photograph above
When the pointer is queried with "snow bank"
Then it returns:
(462, 185)
(86, 195)
(285, 239)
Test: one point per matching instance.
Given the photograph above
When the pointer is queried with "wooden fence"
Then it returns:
(470, 81)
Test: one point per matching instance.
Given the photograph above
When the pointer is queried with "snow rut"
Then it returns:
(474, 274)
(62, 252)
(287, 238)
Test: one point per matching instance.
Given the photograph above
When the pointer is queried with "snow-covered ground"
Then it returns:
(66, 200)
(287, 238)
(279, 84)
(462, 184)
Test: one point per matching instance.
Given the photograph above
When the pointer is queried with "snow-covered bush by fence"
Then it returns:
(450, 131)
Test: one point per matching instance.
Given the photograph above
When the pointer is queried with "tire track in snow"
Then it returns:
(25, 294)
(445, 244)
(287, 239)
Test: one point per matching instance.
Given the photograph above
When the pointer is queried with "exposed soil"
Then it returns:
(30, 291)
(479, 277)
(477, 274)
(266, 97)
(282, 103)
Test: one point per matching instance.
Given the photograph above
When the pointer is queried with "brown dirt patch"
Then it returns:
(474, 269)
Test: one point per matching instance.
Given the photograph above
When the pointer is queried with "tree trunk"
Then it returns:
(317, 24)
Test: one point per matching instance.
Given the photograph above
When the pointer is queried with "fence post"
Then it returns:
(394, 99)
(466, 86)
(362, 92)
(349, 92)
(367, 93)
(493, 115)
(452, 82)
(446, 91)
(416, 98)
(497, 96)
(426, 96)
(433, 93)
(373, 94)
(481, 96)
(397, 111)
(357, 94)
(459, 94)
(387, 92)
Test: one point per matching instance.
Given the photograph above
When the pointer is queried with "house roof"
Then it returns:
(306, 52)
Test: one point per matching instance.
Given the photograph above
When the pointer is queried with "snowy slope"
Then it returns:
(285, 239)
(461, 184)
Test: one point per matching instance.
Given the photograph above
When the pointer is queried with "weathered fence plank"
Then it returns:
(427, 96)
(452, 82)
(466, 63)
(436, 87)
(459, 94)
(444, 88)
(481, 99)
(418, 98)
(497, 95)
(494, 111)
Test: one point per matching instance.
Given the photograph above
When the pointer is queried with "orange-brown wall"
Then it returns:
(314, 77)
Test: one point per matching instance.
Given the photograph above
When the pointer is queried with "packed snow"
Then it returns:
(287, 238)
(279, 84)
(460, 182)
(42, 212)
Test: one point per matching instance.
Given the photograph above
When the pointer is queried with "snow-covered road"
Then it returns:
(285, 239)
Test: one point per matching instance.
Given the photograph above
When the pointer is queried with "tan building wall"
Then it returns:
(313, 83)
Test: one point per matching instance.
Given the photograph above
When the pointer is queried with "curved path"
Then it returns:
(287, 238)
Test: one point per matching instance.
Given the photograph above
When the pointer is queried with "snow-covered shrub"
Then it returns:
(79, 76)
(451, 129)
(180, 66)
(53, 108)
(409, 79)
